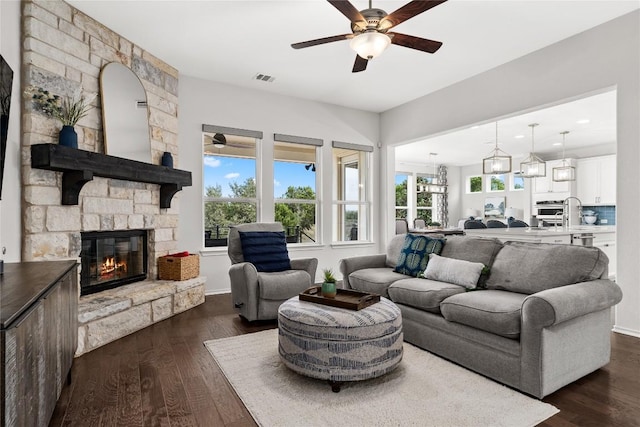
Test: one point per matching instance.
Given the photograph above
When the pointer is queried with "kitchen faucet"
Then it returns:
(566, 208)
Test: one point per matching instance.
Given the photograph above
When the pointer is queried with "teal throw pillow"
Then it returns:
(414, 254)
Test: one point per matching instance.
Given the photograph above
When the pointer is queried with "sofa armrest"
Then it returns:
(310, 265)
(349, 265)
(557, 305)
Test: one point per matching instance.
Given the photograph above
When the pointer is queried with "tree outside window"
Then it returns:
(295, 169)
(424, 200)
(496, 183)
(401, 195)
(229, 182)
(474, 184)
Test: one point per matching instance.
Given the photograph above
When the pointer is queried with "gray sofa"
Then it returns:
(541, 320)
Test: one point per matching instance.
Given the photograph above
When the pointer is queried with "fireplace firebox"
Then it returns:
(111, 259)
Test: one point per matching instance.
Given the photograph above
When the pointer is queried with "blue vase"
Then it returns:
(167, 159)
(68, 137)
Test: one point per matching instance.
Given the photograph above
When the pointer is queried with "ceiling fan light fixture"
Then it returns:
(370, 44)
(219, 140)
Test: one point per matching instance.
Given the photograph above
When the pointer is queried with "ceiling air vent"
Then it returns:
(264, 78)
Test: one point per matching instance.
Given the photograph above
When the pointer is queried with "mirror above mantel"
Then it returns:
(125, 114)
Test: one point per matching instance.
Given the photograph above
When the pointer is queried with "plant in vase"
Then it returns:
(329, 284)
(67, 110)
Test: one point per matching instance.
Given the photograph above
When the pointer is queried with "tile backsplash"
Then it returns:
(607, 213)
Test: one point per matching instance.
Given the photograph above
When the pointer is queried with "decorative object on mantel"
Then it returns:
(78, 167)
(533, 166)
(167, 159)
(498, 161)
(566, 172)
(68, 110)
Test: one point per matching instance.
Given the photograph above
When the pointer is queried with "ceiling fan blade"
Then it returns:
(407, 11)
(348, 10)
(360, 64)
(323, 40)
(425, 45)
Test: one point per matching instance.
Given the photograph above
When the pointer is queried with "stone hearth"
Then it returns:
(112, 314)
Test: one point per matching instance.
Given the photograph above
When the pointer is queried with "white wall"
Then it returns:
(206, 102)
(10, 224)
(602, 58)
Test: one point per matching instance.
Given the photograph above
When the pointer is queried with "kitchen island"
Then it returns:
(601, 236)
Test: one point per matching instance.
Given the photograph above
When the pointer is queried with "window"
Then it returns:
(517, 181)
(294, 186)
(496, 183)
(474, 184)
(229, 181)
(402, 207)
(424, 199)
(352, 207)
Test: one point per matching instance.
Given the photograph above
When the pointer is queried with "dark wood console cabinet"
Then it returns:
(39, 337)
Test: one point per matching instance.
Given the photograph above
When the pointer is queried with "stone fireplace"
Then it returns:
(110, 259)
(64, 51)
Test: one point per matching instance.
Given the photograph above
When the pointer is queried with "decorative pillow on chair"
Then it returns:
(414, 255)
(267, 250)
(456, 271)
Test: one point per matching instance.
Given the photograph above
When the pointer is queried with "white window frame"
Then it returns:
(257, 135)
(364, 204)
(488, 183)
(290, 139)
(468, 184)
(512, 182)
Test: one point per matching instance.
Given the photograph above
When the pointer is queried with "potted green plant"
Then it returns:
(67, 110)
(434, 224)
(329, 284)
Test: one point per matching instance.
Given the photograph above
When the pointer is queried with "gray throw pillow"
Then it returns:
(456, 271)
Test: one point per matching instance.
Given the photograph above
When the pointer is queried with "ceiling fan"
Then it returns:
(219, 140)
(370, 30)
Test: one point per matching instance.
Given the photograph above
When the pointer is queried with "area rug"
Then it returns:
(424, 390)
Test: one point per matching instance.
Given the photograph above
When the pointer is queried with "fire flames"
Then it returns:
(110, 268)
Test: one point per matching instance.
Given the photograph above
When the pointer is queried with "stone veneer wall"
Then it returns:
(63, 52)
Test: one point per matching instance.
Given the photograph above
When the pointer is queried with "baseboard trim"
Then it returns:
(626, 331)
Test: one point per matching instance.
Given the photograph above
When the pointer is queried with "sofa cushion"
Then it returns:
(414, 255)
(375, 280)
(472, 249)
(493, 311)
(456, 271)
(393, 250)
(422, 293)
(283, 284)
(266, 250)
(533, 267)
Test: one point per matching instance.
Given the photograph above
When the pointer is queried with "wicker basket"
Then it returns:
(178, 268)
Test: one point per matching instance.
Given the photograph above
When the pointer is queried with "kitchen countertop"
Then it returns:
(541, 232)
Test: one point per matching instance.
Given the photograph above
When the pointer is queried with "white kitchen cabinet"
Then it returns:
(607, 244)
(546, 184)
(596, 180)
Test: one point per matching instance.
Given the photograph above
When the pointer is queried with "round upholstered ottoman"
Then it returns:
(337, 344)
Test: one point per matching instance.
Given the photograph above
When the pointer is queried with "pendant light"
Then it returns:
(498, 161)
(533, 166)
(566, 172)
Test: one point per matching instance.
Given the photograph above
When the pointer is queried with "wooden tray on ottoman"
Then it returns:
(345, 298)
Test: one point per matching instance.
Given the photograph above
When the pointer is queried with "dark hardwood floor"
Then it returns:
(164, 376)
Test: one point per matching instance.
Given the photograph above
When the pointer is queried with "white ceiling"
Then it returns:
(232, 41)
(470, 145)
